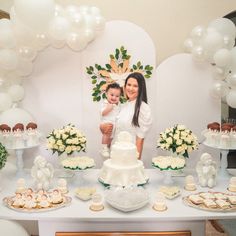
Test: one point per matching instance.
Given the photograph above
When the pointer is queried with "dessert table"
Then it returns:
(78, 217)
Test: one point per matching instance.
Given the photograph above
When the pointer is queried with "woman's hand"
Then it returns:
(106, 128)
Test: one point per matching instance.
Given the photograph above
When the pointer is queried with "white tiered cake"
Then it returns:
(123, 168)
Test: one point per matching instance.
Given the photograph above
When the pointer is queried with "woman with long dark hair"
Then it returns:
(135, 115)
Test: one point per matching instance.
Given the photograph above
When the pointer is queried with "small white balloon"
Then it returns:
(231, 78)
(16, 92)
(89, 35)
(76, 41)
(219, 89)
(25, 67)
(222, 57)
(71, 10)
(213, 41)
(231, 98)
(8, 59)
(41, 41)
(188, 45)
(27, 53)
(198, 53)
(59, 10)
(99, 23)
(77, 20)
(198, 32)
(95, 11)
(59, 27)
(5, 101)
(229, 42)
(57, 43)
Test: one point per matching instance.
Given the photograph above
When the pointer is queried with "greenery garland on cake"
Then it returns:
(3, 156)
(115, 71)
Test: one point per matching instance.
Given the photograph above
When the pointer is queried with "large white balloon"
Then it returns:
(34, 13)
(15, 115)
(224, 26)
(233, 60)
(7, 37)
(16, 92)
(231, 78)
(5, 101)
(222, 57)
(219, 89)
(213, 41)
(231, 98)
(8, 59)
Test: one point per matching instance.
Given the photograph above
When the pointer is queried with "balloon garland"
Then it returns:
(215, 44)
(33, 26)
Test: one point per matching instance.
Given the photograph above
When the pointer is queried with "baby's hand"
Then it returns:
(110, 107)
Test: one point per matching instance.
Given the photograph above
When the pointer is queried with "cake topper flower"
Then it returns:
(116, 70)
(178, 139)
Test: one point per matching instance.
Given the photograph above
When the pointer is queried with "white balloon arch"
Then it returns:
(215, 44)
(33, 26)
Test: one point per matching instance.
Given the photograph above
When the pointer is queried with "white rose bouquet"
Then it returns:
(178, 139)
(66, 140)
(3, 156)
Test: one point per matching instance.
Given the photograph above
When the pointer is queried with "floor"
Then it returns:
(211, 231)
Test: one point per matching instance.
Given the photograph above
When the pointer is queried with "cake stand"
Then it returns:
(78, 174)
(223, 158)
(19, 158)
(168, 173)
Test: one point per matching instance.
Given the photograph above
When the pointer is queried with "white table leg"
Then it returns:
(19, 162)
(223, 163)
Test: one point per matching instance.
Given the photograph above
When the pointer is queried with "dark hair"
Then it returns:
(115, 86)
(142, 95)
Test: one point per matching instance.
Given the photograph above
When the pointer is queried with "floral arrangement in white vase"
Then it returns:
(178, 139)
(66, 140)
(3, 156)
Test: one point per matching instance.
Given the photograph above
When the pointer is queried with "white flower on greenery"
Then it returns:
(67, 140)
(178, 139)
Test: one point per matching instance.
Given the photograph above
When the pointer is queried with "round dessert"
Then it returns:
(214, 126)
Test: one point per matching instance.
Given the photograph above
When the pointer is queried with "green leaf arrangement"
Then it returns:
(101, 76)
(3, 156)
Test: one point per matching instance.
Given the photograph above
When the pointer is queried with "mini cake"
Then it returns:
(225, 137)
(170, 192)
(123, 168)
(232, 184)
(190, 183)
(97, 204)
(20, 186)
(56, 197)
(62, 186)
(159, 204)
(85, 193)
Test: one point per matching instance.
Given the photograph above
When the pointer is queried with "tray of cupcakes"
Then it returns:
(37, 201)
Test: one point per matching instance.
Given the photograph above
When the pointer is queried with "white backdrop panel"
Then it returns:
(59, 90)
(183, 97)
